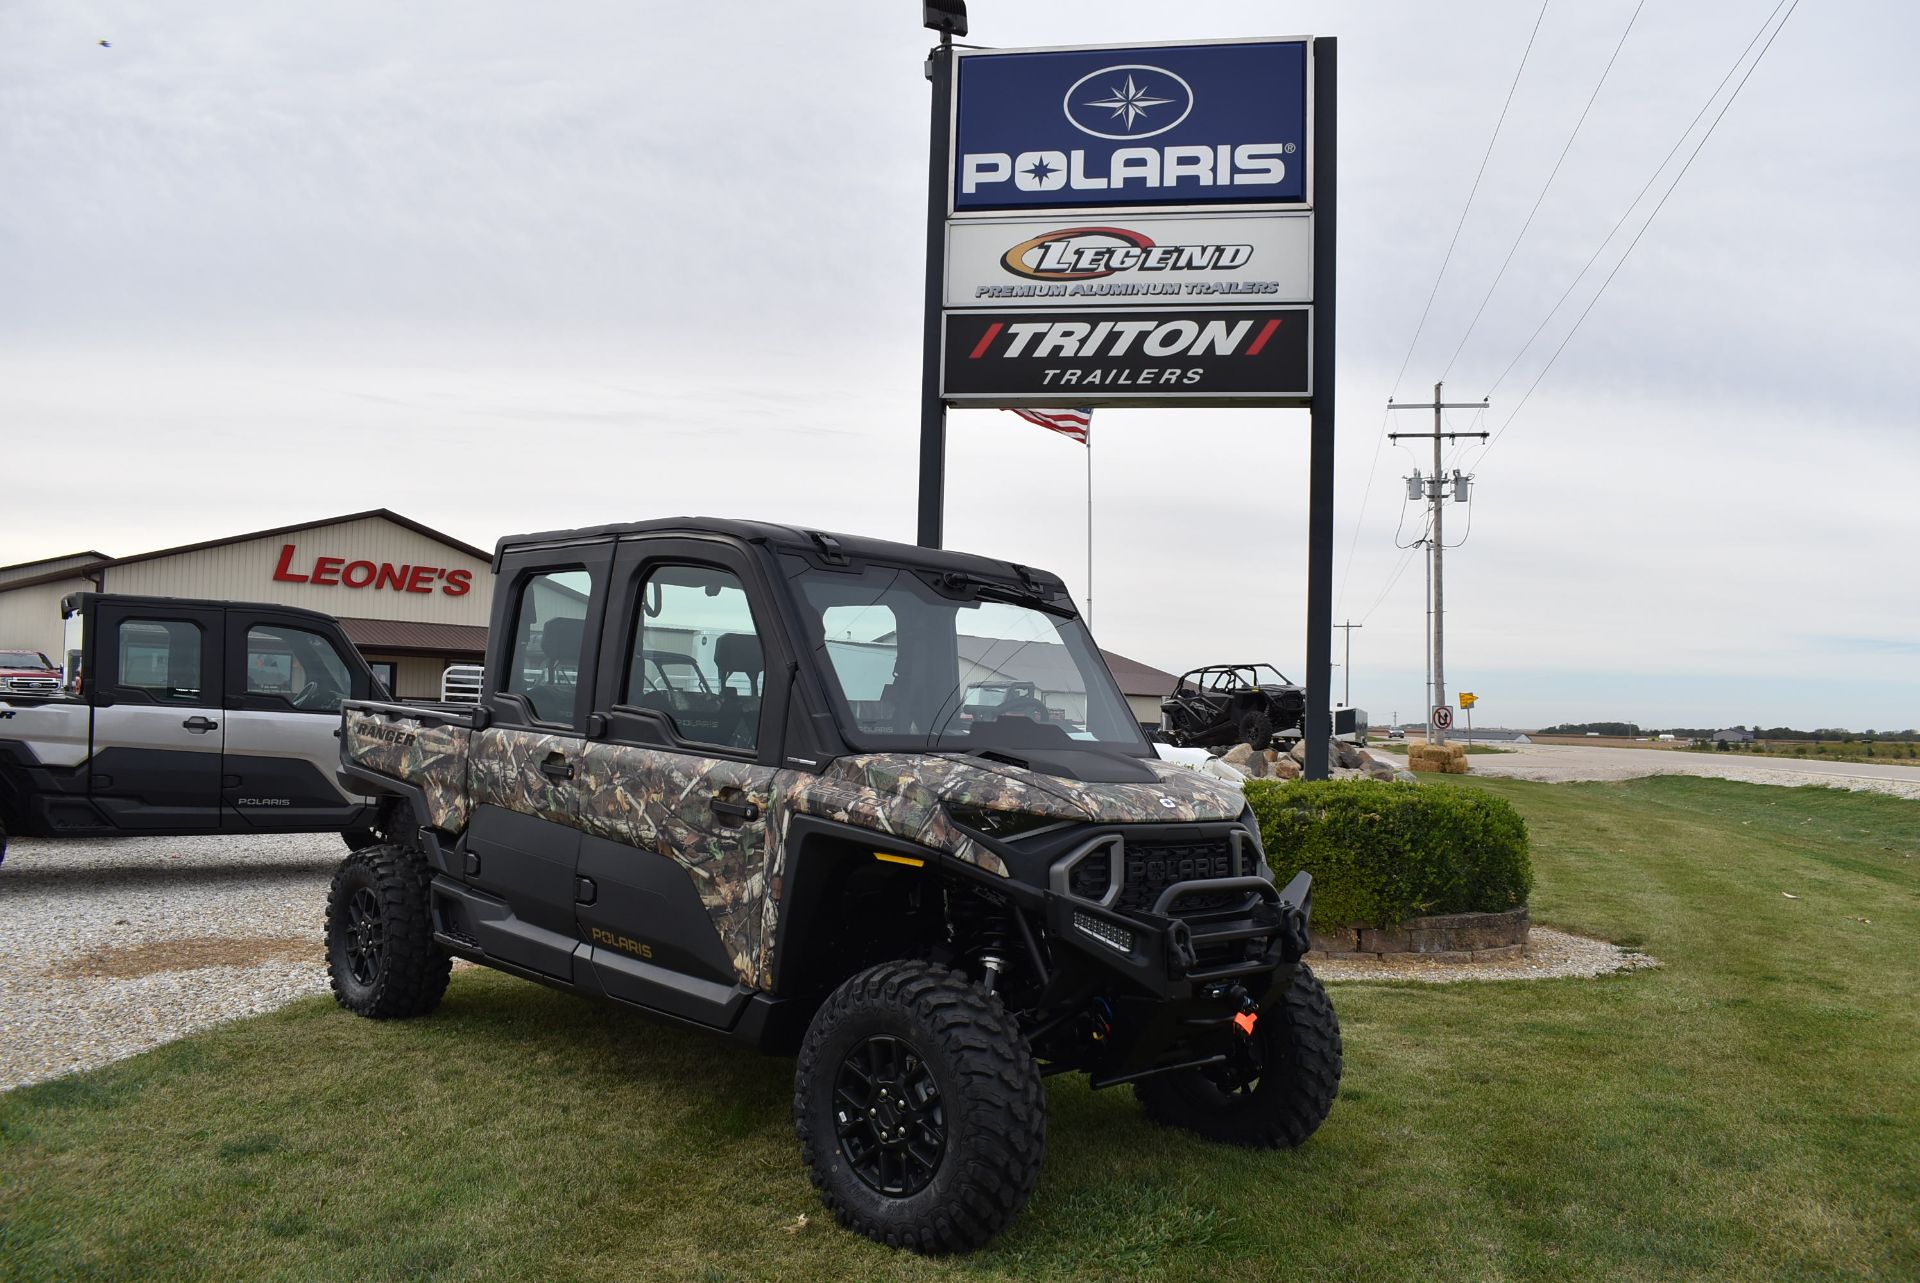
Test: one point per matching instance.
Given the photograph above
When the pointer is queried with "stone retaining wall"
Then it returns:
(1453, 937)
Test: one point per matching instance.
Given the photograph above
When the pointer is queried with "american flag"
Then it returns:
(1075, 423)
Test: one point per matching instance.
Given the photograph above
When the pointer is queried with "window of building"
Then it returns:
(547, 637)
(697, 656)
(162, 658)
(300, 667)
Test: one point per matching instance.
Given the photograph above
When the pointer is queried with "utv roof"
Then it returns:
(78, 600)
(820, 545)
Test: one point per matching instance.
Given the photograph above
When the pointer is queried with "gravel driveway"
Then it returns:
(109, 946)
(1560, 763)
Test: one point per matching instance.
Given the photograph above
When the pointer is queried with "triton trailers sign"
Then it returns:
(1175, 177)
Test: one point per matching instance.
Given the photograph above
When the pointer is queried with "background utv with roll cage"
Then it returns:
(1232, 704)
(809, 850)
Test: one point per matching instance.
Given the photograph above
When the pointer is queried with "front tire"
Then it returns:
(381, 954)
(1278, 1095)
(919, 1109)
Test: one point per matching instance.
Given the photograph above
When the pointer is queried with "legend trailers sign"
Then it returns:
(1162, 356)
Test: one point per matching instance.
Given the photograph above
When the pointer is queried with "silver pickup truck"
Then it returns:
(182, 716)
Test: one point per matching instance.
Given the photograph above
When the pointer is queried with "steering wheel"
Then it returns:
(307, 692)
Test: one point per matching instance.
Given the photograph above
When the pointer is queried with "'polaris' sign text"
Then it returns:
(1201, 124)
(1163, 357)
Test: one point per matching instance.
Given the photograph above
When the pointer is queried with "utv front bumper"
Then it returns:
(1199, 937)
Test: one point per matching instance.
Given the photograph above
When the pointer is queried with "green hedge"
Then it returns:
(1381, 853)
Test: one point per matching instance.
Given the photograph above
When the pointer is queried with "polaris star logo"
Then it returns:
(1089, 253)
(1169, 803)
(1132, 100)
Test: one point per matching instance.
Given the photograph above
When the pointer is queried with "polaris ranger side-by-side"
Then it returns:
(181, 716)
(720, 771)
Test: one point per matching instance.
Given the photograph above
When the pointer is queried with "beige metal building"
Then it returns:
(413, 600)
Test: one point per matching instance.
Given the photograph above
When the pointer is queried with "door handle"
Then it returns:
(557, 767)
(200, 725)
(746, 812)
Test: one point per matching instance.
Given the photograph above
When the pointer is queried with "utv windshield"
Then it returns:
(926, 661)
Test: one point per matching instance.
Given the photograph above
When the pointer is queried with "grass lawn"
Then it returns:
(1751, 1110)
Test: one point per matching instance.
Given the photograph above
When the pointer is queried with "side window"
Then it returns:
(547, 635)
(298, 666)
(162, 658)
(863, 645)
(697, 657)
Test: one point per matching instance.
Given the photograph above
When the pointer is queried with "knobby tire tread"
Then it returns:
(415, 969)
(996, 1126)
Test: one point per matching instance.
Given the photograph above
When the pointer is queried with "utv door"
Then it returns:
(523, 840)
(693, 690)
(285, 684)
(157, 717)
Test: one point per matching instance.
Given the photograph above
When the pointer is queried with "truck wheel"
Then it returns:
(1279, 1093)
(919, 1109)
(1256, 728)
(381, 954)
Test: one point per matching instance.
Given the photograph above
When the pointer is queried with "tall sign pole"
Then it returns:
(1319, 728)
(933, 410)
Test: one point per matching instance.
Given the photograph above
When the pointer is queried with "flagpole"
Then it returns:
(1089, 445)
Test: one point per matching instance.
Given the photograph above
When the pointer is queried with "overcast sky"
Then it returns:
(505, 267)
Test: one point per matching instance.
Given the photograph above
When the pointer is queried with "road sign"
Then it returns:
(1468, 699)
(1443, 717)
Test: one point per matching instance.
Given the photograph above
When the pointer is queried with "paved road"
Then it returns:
(1562, 762)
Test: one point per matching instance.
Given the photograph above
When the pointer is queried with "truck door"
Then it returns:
(285, 684)
(157, 717)
(525, 768)
(674, 863)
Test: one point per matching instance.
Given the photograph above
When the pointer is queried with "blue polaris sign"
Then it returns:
(1213, 124)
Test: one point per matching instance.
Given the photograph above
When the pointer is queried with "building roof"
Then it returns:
(402, 637)
(100, 561)
(39, 565)
(1136, 678)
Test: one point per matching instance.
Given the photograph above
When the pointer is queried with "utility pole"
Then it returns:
(1348, 627)
(1436, 491)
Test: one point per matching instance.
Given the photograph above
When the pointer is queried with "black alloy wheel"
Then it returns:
(365, 936)
(381, 954)
(919, 1108)
(888, 1115)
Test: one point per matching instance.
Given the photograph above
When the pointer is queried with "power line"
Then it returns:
(1691, 157)
(1448, 257)
(1366, 496)
(1545, 188)
(1634, 204)
(1405, 561)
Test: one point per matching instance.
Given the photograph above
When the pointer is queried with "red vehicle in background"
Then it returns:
(28, 673)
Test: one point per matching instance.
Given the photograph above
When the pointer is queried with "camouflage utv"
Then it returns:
(794, 838)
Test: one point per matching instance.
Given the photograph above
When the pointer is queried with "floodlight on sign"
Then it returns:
(948, 17)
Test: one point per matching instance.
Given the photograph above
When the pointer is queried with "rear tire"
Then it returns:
(1297, 1044)
(381, 955)
(954, 1124)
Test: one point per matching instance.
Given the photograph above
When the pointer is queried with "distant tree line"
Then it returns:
(1594, 728)
(1829, 733)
